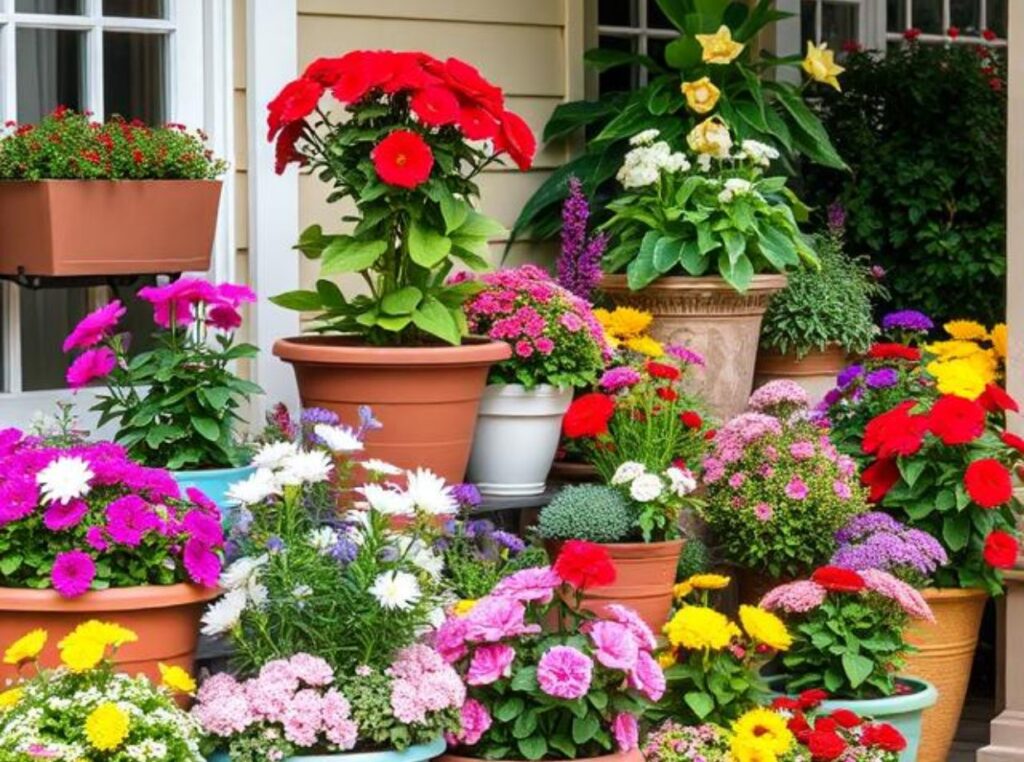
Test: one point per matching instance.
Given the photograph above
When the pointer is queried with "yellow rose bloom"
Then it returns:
(999, 339)
(968, 330)
(820, 65)
(106, 727)
(764, 627)
(626, 322)
(26, 648)
(710, 137)
(681, 590)
(709, 581)
(645, 345)
(701, 95)
(80, 653)
(10, 698)
(957, 377)
(720, 47)
(699, 628)
(766, 727)
(463, 607)
(176, 678)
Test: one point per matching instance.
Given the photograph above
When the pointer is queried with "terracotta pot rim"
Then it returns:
(831, 349)
(953, 593)
(760, 282)
(346, 350)
(114, 599)
(628, 547)
(107, 180)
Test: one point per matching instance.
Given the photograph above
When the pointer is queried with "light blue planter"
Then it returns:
(902, 712)
(214, 483)
(419, 753)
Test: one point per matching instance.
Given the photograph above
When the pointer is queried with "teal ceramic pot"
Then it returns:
(213, 482)
(903, 712)
(420, 753)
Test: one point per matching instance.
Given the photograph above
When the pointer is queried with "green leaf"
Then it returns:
(811, 137)
(584, 728)
(303, 301)
(683, 53)
(569, 117)
(348, 255)
(956, 530)
(857, 668)
(401, 302)
(700, 703)
(738, 274)
(525, 680)
(455, 211)
(735, 245)
(533, 748)
(207, 427)
(666, 253)
(10, 563)
(911, 470)
(312, 242)
(215, 396)
(509, 709)
(631, 120)
(692, 260)
(434, 318)
(525, 724)
(330, 295)
(481, 226)
(158, 435)
(427, 247)
(641, 270)
(603, 59)
(777, 247)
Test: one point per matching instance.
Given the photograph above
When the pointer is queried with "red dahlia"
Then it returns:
(895, 432)
(838, 580)
(884, 736)
(295, 101)
(585, 565)
(1000, 550)
(517, 139)
(894, 351)
(662, 370)
(691, 419)
(403, 159)
(845, 718)
(825, 745)
(879, 478)
(588, 416)
(667, 393)
(809, 699)
(435, 106)
(988, 482)
(956, 420)
(797, 723)
(995, 399)
(476, 124)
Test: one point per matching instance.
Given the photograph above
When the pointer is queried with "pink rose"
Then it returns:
(490, 663)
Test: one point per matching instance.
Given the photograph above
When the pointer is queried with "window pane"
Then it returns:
(966, 15)
(895, 15)
(47, 316)
(134, 69)
(928, 16)
(997, 17)
(144, 9)
(839, 24)
(617, 13)
(50, 71)
(808, 9)
(655, 18)
(621, 77)
(63, 7)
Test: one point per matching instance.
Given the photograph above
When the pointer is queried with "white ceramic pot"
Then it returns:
(517, 432)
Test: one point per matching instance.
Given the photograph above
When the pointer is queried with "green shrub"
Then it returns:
(593, 512)
(695, 559)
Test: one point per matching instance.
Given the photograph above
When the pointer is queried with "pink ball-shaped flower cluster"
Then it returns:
(423, 683)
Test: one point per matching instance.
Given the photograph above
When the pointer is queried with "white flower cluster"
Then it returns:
(280, 465)
(645, 487)
(64, 479)
(647, 161)
(759, 153)
(425, 492)
(734, 186)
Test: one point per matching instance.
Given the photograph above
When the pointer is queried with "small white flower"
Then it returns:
(704, 162)
(338, 438)
(272, 455)
(760, 153)
(396, 590)
(258, 487)
(225, 613)
(429, 493)
(676, 163)
(628, 471)
(323, 539)
(646, 487)
(420, 555)
(301, 592)
(681, 481)
(241, 571)
(257, 592)
(300, 468)
(645, 137)
(380, 467)
(725, 196)
(737, 185)
(64, 479)
(387, 500)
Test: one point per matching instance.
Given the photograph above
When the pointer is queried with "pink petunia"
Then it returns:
(641, 631)
(796, 489)
(224, 317)
(564, 672)
(90, 365)
(536, 584)
(494, 619)
(647, 677)
(129, 518)
(202, 564)
(614, 645)
(523, 349)
(490, 663)
(64, 515)
(94, 327)
(626, 731)
(763, 512)
(450, 639)
(174, 302)
(72, 573)
(476, 721)
(204, 527)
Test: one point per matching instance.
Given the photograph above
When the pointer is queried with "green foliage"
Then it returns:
(927, 198)
(593, 512)
(477, 557)
(830, 306)
(695, 558)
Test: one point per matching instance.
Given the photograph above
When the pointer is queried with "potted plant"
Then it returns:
(86, 533)
(176, 406)
(848, 641)
(545, 679)
(820, 318)
(85, 708)
(81, 198)
(416, 134)
(777, 490)
(557, 346)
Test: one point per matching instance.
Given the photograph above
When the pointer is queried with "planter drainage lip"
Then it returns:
(348, 350)
(924, 696)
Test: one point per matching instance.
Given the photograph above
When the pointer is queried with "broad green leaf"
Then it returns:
(811, 137)
(641, 270)
(738, 274)
(603, 59)
(735, 245)
(666, 253)
(216, 396)
(683, 53)
(692, 260)
(455, 211)
(700, 703)
(303, 301)
(956, 530)
(584, 728)
(207, 427)
(533, 748)
(394, 323)
(401, 302)
(631, 120)
(525, 680)
(509, 709)
(349, 255)
(525, 724)
(434, 318)
(312, 242)
(330, 295)
(427, 247)
(857, 668)
(10, 563)
(481, 226)
(569, 117)
(777, 247)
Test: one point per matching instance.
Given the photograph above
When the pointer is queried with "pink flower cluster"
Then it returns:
(806, 595)
(292, 696)
(422, 683)
(779, 397)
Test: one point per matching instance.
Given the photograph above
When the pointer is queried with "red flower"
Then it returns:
(883, 735)
(953, 32)
(852, 46)
(845, 718)
(284, 150)
(435, 106)
(1001, 550)
(996, 400)
(988, 482)
(879, 478)
(403, 159)
(786, 703)
(710, 434)
(989, 35)
(911, 34)
(691, 419)
(517, 139)
(468, 81)
(667, 393)
(296, 100)
(894, 351)
(661, 370)
(825, 745)
(356, 73)
(838, 580)
(477, 124)
(956, 420)
(327, 71)
(1012, 440)
(588, 416)
(585, 565)
(896, 432)
(797, 723)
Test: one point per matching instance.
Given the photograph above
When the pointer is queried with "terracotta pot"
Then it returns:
(426, 397)
(622, 756)
(708, 315)
(166, 619)
(568, 472)
(944, 657)
(645, 575)
(107, 227)
(816, 372)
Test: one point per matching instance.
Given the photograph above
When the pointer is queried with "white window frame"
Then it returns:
(640, 31)
(962, 39)
(199, 91)
(867, 17)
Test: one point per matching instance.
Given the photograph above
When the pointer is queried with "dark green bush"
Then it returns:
(593, 512)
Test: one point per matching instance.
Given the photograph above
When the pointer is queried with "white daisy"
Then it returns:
(323, 539)
(241, 571)
(225, 613)
(646, 487)
(258, 487)
(387, 499)
(681, 481)
(305, 468)
(64, 479)
(627, 472)
(272, 455)
(257, 592)
(420, 555)
(338, 438)
(396, 590)
(380, 467)
(429, 493)
(301, 592)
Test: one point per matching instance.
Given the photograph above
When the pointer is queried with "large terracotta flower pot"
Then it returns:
(816, 371)
(107, 227)
(633, 755)
(944, 656)
(426, 397)
(166, 619)
(710, 316)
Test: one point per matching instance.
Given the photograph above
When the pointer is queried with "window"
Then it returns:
(136, 58)
(837, 22)
(935, 17)
(633, 26)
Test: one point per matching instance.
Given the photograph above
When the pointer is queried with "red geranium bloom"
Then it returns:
(356, 74)
(435, 106)
(989, 35)
(588, 416)
(845, 718)
(825, 745)
(896, 432)
(517, 139)
(710, 434)
(995, 399)
(894, 351)
(296, 100)
(912, 34)
(1012, 440)
(838, 580)
(884, 736)
(956, 420)
(1001, 550)
(809, 699)
(477, 124)
(879, 478)
(691, 419)
(403, 159)
(988, 482)
(405, 71)
(667, 393)
(797, 723)
(326, 71)
(662, 370)
(468, 81)
(786, 703)
(585, 565)
(284, 150)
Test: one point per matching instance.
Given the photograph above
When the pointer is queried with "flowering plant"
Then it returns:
(658, 499)
(971, 358)
(579, 261)
(878, 541)
(66, 145)
(626, 330)
(717, 213)
(554, 335)
(847, 630)
(175, 405)
(84, 517)
(777, 489)
(572, 692)
(84, 709)
(416, 133)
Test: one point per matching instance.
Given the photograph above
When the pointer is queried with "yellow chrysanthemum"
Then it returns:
(106, 727)
(107, 633)
(709, 581)
(10, 698)
(80, 653)
(999, 338)
(625, 322)
(645, 345)
(602, 316)
(969, 330)
(764, 627)
(766, 727)
(745, 749)
(699, 627)
(958, 377)
(681, 590)
(666, 659)
(464, 606)
(985, 364)
(719, 48)
(176, 678)
(26, 648)
(820, 64)
(952, 349)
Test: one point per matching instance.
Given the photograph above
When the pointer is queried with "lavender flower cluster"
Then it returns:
(579, 264)
(878, 541)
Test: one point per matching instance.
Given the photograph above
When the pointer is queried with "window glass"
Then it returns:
(839, 24)
(617, 13)
(50, 64)
(146, 9)
(619, 77)
(656, 19)
(927, 15)
(63, 7)
(808, 11)
(134, 71)
(966, 16)
(895, 15)
(997, 17)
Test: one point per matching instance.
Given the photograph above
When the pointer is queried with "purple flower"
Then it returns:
(882, 378)
(619, 378)
(94, 536)
(509, 542)
(366, 420)
(467, 495)
(73, 573)
(94, 327)
(579, 263)
(64, 515)
(687, 355)
(275, 544)
(564, 672)
(344, 551)
(877, 272)
(128, 519)
(878, 541)
(846, 376)
(836, 217)
(907, 320)
(312, 416)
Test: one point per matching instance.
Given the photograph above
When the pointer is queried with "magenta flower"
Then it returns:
(763, 512)
(476, 721)
(536, 584)
(842, 489)
(796, 489)
(615, 647)
(906, 597)
(128, 519)
(202, 564)
(73, 573)
(64, 515)
(626, 731)
(450, 639)
(174, 302)
(235, 294)
(94, 327)
(615, 379)
(638, 627)
(564, 672)
(490, 663)
(90, 365)
(94, 536)
(794, 597)
(647, 677)
(493, 619)
(204, 528)
(802, 450)
(224, 317)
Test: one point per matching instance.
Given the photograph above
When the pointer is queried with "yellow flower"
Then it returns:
(969, 330)
(952, 349)
(720, 47)
(746, 749)
(666, 659)
(701, 95)
(176, 678)
(958, 377)
(106, 727)
(681, 590)
(602, 316)
(764, 627)
(711, 137)
(999, 339)
(820, 64)
(766, 727)
(709, 581)
(699, 627)
(80, 653)
(26, 648)
(626, 322)
(10, 698)
(108, 633)
(645, 345)
(464, 606)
